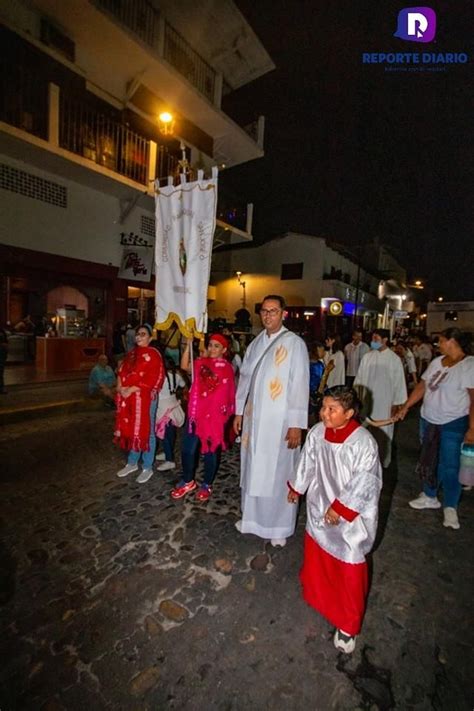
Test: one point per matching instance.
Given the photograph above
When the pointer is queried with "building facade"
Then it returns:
(83, 84)
(326, 288)
(447, 314)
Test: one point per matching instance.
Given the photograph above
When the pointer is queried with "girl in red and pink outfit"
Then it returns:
(211, 406)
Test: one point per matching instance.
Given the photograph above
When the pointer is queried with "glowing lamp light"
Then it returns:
(440, 298)
(166, 123)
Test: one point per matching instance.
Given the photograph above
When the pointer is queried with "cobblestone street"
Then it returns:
(115, 597)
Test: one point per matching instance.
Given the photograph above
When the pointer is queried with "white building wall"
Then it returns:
(86, 229)
(436, 320)
(332, 258)
(261, 270)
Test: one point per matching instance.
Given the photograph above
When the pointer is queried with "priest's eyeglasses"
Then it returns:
(270, 312)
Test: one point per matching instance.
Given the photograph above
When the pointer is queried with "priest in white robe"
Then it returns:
(381, 385)
(271, 412)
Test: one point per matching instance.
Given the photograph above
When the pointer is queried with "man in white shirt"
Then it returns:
(271, 412)
(423, 353)
(382, 388)
(354, 353)
(408, 361)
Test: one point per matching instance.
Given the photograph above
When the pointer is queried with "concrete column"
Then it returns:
(53, 114)
(218, 90)
(151, 169)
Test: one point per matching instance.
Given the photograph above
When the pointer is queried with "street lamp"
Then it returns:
(440, 298)
(242, 284)
(166, 123)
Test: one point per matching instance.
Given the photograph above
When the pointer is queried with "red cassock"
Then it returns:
(337, 590)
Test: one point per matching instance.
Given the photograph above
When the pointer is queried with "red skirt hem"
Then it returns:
(337, 590)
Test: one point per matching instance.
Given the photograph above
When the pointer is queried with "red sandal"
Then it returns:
(182, 488)
(204, 493)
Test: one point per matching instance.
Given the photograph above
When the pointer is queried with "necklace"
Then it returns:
(449, 362)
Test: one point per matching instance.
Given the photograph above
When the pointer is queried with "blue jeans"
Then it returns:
(190, 450)
(168, 441)
(452, 436)
(147, 457)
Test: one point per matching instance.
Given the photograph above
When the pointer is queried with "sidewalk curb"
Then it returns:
(64, 407)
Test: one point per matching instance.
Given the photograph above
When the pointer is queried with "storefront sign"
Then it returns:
(136, 264)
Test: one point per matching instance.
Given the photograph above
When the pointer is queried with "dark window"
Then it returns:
(451, 316)
(292, 271)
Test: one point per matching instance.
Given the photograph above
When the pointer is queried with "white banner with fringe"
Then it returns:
(185, 225)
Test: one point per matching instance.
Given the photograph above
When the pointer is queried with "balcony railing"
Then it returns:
(108, 143)
(138, 15)
(23, 99)
(143, 19)
(188, 62)
(166, 163)
(25, 102)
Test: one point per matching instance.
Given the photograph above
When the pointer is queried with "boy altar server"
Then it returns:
(340, 472)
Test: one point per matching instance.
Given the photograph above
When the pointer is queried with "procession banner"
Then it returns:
(136, 263)
(185, 224)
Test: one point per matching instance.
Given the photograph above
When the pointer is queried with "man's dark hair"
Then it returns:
(346, 396)
(275, 297)
(383, 333)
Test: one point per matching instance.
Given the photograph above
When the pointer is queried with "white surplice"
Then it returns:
(381, 383)
(350, 473)
(271, 402)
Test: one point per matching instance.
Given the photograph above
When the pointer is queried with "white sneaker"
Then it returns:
(278, 542)
(238, 525)
(160, 457)
(425, 502)
(344, 642)
(145, 474)
(127, 469)
(451, 518)
(165, 466)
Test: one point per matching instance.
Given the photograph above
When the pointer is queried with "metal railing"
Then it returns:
(23, 99)
(166, 163)
(143, 19)
(138, 15)
(95, 136)
(188, 62)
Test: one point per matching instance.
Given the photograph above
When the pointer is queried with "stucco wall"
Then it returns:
(261, 270)
(86, 229)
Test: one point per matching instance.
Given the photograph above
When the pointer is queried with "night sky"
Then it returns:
(355, 153)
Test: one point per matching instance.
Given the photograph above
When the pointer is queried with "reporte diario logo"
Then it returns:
(416, 24)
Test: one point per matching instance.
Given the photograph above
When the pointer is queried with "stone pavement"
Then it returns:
(114, 597)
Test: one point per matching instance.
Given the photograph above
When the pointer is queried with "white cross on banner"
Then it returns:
(185, 224)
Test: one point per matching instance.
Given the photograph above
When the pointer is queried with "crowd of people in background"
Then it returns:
(264, 396)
